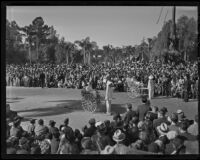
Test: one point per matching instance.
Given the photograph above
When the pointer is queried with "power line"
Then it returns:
(166, 16)
(159, 15)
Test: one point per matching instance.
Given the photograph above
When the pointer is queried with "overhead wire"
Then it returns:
(159, 15)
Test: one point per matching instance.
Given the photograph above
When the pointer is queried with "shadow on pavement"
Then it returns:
(67, 107)
(115, 108)
(12, 101)
(16, 98)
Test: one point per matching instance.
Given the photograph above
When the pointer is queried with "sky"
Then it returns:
(114, 25)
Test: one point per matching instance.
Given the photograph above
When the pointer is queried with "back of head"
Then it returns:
(184, 125)
(174, 117)
(144, 99)
(40, 122)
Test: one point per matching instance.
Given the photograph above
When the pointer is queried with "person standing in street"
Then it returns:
(108, 97)
(42, 79)
(151, 87)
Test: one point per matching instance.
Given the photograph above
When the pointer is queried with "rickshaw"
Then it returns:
(136, 89)
(91, 100)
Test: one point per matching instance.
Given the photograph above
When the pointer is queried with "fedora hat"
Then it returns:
(150, 77)
(163, 129)
(108, 150)
(118, 136)
(51, 122)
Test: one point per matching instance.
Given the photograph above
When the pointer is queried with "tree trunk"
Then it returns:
(84, 55)
(185, 55)
(30, 56)
(67, 58)
(89, 58)
(37, 48)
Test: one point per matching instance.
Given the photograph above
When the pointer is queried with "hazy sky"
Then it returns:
(115, 25)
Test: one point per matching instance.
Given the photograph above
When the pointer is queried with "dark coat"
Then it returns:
(54, 145)
(188, 136)
(157, 122)
(141, 110)
(89, 132)
(129, 115)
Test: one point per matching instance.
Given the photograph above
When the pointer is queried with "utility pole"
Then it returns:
(173, 31)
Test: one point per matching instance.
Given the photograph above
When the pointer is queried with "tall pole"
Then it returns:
(174, 27)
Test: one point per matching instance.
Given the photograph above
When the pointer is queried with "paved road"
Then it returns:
(59, 103)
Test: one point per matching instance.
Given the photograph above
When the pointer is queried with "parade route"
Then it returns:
(58, 103)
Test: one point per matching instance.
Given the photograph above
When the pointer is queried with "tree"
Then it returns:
(40, 33)
(14, 47)
(87, 47)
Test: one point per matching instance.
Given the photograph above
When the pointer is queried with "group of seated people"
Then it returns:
(142, 129)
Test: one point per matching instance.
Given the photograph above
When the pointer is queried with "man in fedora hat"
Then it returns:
(52, 128)
(88, 132)
(31, 127)
(161, 118)
(100, 139)
(143, 108)
(119, 138)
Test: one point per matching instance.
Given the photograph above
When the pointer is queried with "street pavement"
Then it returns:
(59, 103)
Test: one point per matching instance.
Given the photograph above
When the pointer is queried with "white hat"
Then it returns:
(99, 123)
(150, 77)
(108, 150)
(163, 129)
(118, 136)
(179, 111)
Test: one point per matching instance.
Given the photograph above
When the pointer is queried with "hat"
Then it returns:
(163, 110)
(159, 143)
(98, 123)
(163, 129)
(129, 105)
(108, 150)
(150, 77)
(138, 144)
(118, 136)
(171, 135)
(32, 121)
(179, 111)
(66, 121)
(40, 121)
(92, 121)
(184, 125)
(174, 117)
(140, 125)
(51, 122)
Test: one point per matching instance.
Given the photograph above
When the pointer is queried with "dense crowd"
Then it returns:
(143, 129)
(168, 78)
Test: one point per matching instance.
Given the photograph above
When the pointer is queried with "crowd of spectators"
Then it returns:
(142, 129)
(168, 78)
